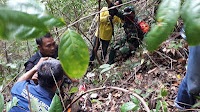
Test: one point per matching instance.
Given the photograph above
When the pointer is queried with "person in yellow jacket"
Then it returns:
(106, 30)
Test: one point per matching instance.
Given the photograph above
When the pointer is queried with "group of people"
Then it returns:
(38, 81)
(126, 45)
(43, 67)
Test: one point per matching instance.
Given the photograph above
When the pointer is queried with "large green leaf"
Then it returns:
(20, 25)
(55, 104)
(168, 13)
(127, 106)
(190, 13)
(1, 102)
(50, 21)
(26, 19)
(73, 54)
(27, 6)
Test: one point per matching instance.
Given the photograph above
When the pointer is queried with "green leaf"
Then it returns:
(105, 69)
(73, 54)
(163, 91)
(167, 16)
(138, 91)
(73, 90)
(55, 104)
(136, 108)
(36, 106)
(158, 105)
(164, 106)
(26, 19)
(50, 21)
(1, 102)
(134, 100)
(20, 25)
(12, 103)
(127, 106)
(190, 13)
(196, 105)
(27, 6)
(96, 101)
(104, 66)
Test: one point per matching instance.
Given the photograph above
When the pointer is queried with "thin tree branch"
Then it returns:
(58, 89)
(29, 100)
(96, 13)
(28, 49)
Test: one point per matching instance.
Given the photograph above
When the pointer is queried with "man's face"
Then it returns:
(48, 47)
(117, 3)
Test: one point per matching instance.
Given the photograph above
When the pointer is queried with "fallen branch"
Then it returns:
(116, 88)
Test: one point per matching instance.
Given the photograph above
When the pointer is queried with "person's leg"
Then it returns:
(111, 56)
(184, 97)
(105, 44)
(113, 48)
(92, 55)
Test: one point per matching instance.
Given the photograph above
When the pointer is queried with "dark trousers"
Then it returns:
(104, 43)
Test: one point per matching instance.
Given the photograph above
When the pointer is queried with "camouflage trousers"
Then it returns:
(124, 47)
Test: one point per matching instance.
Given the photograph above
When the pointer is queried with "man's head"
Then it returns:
(118, 2)
(129, 13)
(46, 45)
(45, 72)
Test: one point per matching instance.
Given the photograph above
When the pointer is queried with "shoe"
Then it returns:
(177, 105)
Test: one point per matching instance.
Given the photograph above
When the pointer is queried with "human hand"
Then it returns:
(40, 61)
(110, 17)
(75, 80)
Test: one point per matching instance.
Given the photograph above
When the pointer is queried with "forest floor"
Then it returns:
(144, 74)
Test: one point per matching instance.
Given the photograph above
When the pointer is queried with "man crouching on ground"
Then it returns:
(44, 91)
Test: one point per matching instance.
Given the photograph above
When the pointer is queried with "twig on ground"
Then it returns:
(116, 88)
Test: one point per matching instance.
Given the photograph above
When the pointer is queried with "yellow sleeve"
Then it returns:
(104, 16)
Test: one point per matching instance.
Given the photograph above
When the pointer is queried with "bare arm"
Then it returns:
(30, 73)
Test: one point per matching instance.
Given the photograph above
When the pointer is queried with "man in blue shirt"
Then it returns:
(44, 91)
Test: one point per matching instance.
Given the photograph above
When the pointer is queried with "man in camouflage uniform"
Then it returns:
(133, 35)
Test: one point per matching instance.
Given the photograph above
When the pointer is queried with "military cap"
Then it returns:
(128, 10)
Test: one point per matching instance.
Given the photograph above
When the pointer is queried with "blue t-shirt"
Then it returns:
(40, 94)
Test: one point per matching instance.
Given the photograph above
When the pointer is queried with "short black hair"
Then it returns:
(46, 70)
(39, 40)
(120, 2)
